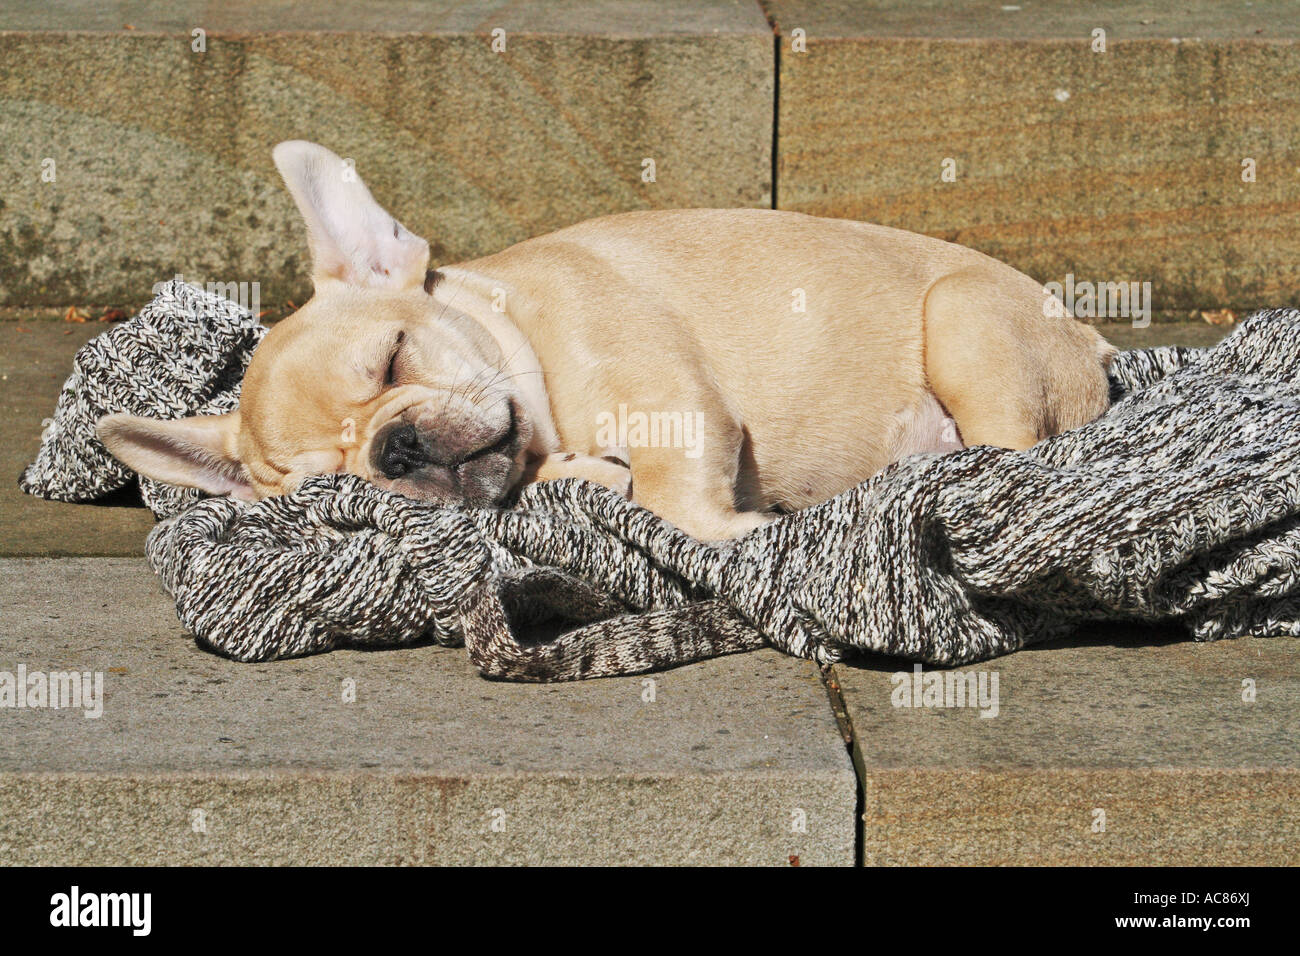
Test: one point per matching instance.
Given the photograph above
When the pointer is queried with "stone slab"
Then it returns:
(735, 761)
(1123, 165)
(1151, 730)
(1191, 334)
(162, 155)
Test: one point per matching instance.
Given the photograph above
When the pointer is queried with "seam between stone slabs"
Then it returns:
(843, 720)
(776, 94)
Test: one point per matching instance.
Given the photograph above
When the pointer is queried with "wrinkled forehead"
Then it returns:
(320, 361)
(310, 372)
(326, 363)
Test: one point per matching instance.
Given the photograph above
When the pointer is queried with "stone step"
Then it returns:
(162, 154)
(1115, 166)
(196, 759)
(1125, 746)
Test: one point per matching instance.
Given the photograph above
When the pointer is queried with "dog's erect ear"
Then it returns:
(352, 239)
(195, 452)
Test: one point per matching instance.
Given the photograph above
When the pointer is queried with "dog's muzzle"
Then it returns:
(401, 448)
(459, 458)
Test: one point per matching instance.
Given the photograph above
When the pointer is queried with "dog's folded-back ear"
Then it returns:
(352, 238)
(196, 452)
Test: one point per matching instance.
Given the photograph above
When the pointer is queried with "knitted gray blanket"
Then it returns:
(1180, 504)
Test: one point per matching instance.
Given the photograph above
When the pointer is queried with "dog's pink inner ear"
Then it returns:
(352, 238)
(194, 452)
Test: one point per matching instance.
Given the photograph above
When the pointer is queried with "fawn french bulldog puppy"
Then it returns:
(714, 364)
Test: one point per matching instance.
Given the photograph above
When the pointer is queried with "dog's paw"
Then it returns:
(614, 475)
(610, 472)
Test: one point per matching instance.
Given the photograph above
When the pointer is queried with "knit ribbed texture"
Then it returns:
(183, 354)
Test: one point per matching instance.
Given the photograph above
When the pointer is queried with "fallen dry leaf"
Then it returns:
(74, 315)
(1220, 316)
(113, 315)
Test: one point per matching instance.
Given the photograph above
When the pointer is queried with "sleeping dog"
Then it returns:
(765, 361)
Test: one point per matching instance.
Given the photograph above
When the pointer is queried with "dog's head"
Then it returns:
(372, 376)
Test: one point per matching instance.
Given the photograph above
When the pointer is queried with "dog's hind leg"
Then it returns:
(1008, 371)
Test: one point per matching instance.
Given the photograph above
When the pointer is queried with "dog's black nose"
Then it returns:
(401, 452)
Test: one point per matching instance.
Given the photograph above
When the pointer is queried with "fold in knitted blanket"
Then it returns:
(1180, 504)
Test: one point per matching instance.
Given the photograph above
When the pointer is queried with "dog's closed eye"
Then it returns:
(391, 370)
